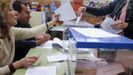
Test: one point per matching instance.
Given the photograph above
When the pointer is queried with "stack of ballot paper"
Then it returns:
(46, 70)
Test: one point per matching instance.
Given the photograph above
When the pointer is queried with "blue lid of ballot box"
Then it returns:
(94, 38)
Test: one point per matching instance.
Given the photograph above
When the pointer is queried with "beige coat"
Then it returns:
(7, 48)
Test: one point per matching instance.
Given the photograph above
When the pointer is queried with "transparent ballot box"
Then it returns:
(85, 44)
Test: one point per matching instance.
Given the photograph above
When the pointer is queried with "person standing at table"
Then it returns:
(23, 46)
(120, 10)
(8, 35)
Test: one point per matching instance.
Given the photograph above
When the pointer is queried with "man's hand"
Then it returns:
(119, 25)
(42, 38)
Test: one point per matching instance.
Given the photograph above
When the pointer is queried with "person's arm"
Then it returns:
(108, 9)
(5, 70)
(25, 43)
(23, 63)
(25, 33)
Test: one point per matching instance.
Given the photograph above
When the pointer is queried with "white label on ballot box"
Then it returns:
(46, 70)
(95, 33)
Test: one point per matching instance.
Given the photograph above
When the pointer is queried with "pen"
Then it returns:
(61, 61)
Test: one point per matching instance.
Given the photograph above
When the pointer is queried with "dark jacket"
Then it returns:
(23, 46)
(114, 9)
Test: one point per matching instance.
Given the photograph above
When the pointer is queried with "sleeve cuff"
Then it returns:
(12, 69)
(48, 28)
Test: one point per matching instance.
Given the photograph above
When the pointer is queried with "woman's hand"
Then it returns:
(55, 17)
(54, 20)
(25, 62)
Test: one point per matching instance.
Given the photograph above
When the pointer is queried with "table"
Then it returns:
(62, 67)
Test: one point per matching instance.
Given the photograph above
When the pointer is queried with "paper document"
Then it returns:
(78, 19)
(47, 44)
(66, 12)
(57, 58)
(62, 43)
(47, 70)
(58, 41)
(95, 33)
(106, 25)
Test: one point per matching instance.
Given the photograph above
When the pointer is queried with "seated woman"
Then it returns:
(8, 35)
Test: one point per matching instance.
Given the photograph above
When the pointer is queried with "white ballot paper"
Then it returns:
(47, 44)
(106, 25)
(78, 19)
(57, 58)
(66, 12)
(46, 70)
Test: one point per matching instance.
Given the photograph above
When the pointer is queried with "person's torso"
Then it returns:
(7, 50)
(118, 10)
